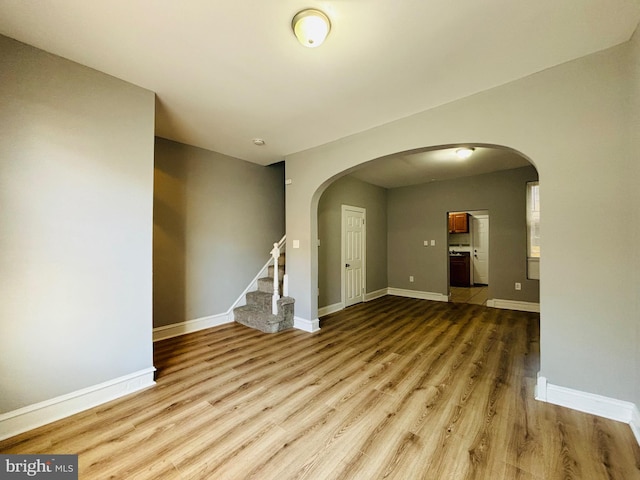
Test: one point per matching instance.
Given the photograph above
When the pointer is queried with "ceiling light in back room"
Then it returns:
(464, 152)
(311, 27)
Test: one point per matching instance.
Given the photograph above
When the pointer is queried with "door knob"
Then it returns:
(347, 265)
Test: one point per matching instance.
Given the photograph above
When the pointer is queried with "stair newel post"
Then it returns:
(275, 254)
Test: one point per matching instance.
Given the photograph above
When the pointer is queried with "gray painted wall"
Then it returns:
(215, 221)
(573, 122)
(76, 196)
(356, 193)
(419, 212)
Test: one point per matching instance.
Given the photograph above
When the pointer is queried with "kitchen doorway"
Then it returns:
(468, 251)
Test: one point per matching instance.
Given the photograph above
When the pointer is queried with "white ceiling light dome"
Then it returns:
(311, 27)
(464, 152)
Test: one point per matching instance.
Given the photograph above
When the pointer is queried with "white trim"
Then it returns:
(401, 292)
(38, 414)
(591, 403)
(377, 294)
(306, 325)
(541, 388)
(329, 309)
(514, 305)
(190, 326)
(635, 423)
(336, 307)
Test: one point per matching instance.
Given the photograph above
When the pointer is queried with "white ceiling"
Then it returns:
(226, 72)
(436, 165)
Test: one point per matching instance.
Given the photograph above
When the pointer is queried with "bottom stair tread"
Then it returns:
(255, 317)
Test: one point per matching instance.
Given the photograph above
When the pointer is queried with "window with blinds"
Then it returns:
(533, 231)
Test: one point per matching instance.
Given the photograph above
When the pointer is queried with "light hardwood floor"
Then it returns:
(395, 388)
(477, 294)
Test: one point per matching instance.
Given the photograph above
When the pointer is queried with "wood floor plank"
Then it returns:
(446, 401)
(395, 388)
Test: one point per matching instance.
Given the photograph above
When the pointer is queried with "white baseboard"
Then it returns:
(38, 414)
(306, 325)
(514, 305)
(635, 424)
(336, 307)
(377, 294)
(400, 292)
(176, 329)
(592, 403)
(329, 309)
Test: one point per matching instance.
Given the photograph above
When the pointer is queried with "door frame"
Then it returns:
(343, 285)
(473, 212)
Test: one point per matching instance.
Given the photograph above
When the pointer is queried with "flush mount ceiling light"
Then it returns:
(464, 153)
(311, 27)
(258, 142)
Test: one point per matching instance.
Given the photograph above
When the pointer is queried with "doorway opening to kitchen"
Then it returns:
(468, 250)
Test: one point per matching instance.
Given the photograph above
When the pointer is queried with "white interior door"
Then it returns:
(353, 254)
(481, 249)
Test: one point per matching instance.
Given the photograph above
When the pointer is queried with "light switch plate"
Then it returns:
(296, 244)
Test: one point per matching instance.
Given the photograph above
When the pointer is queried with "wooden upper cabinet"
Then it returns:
(458, 223)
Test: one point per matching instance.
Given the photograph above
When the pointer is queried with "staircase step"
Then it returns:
(265, 284)
(253, 316)
(285, 312)
(280, 271)
(260, 300)
(258, 312)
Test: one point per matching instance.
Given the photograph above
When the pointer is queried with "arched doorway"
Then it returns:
(407, 197)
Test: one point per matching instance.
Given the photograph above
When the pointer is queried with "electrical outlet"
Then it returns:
(426, 243)
(411, 278)
(433, 243)
(518, 286)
